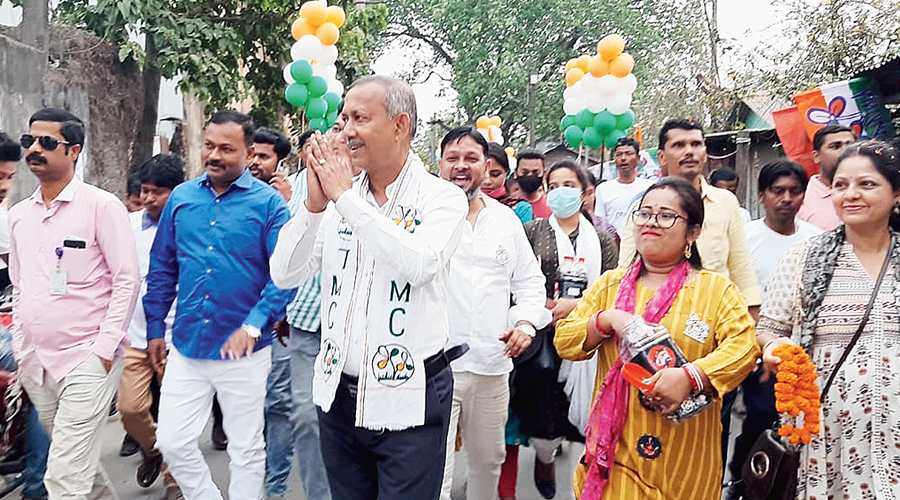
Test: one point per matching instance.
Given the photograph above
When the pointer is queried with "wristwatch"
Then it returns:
(252, 331)
(527, 329)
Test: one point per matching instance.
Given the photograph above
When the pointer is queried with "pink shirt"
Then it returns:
(817, 206)
(55, 333)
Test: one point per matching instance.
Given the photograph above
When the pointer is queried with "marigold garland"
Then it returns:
(796, 392)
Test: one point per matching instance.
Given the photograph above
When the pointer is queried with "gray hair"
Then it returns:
(398, 98)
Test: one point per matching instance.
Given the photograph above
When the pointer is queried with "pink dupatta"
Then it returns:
(610, 407)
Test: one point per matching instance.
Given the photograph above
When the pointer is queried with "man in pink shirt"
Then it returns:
(75, 274)
(828, 143)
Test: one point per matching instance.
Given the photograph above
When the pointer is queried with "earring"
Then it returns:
(896, 209)
(687, 251)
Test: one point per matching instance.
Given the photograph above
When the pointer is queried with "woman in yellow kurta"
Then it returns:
(705, 315)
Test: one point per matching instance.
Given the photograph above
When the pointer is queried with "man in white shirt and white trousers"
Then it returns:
(383, 242)
(493, 261)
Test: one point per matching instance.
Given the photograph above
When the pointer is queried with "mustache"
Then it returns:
(35, 158)
(213, 163)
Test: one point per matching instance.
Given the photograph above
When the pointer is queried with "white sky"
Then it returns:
(742, 23)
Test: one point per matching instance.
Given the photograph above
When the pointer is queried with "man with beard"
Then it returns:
(530, 177)
(722, 245)
(493, 262)
(74, 267)
(212, 246)
(782, 184)
(383, 242)
(828, 144)
(270, 148)
(613, 199)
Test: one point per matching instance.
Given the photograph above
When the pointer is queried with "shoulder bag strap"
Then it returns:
(862, 324)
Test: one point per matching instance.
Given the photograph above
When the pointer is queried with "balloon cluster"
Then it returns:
(312, 74)
(490, 128)
(597, 100)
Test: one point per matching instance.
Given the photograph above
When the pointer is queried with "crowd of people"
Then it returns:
(377, 323)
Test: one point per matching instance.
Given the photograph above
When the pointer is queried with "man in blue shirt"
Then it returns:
(212, 248)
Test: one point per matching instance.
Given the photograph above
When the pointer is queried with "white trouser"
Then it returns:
(187, 392)
(545, 449)
(480, 404)
(72, 410)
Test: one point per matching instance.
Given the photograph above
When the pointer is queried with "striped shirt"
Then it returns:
(655, 459)
(304, 312)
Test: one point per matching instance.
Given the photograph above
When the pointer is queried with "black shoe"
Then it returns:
(219, 439)
(129, 446)
(149, 469)
(545, 479)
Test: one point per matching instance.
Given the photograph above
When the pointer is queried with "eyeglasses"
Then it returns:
(663, 219)
(47, 142)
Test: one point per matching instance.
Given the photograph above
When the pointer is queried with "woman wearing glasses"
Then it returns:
(633, 449)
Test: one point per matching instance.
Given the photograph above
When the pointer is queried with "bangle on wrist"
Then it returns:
(766, 345)
(694, 376)
(603, 333)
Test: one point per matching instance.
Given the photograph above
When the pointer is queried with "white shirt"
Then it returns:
(767, 246)
(613, 200)
(144, 230)
(492, 261)
(4, 234)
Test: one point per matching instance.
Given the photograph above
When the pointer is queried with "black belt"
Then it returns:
(441, 360)
(433, 365)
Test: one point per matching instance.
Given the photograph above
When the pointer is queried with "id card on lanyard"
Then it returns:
(58, 280)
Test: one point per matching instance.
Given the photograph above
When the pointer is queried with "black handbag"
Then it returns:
(770, 472)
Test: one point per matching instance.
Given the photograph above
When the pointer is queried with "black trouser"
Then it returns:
(387, 465)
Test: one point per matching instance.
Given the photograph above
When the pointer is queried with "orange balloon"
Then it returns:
(573, 75)
(483, 122)
(335, 15)
(510, 151)
(495, 121)
(583, 63)
(611, 46)
(328, 34)
(622, 65)
(301, 28)
(315, 12)
(571, 63)
(598, 66)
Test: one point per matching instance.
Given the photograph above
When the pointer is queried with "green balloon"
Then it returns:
(296, 94)
(316, 107)
(584, 119)
(318, 124)
(625, 120)
(605, 122)
(567, 122)
(301, 71)
(333, 100)
(592, 138)
(317, 86)
(612, 137)
(573, 135)
(331, 118)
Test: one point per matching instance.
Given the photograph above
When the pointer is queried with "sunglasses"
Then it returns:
(46, 142)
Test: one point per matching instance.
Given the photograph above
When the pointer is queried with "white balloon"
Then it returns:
(596, 103)
(568, 93)
(573, 106)
(499, 139)
(329, 55)
(577, 92)
(631, 83)
(495, 134)
(619, 103)
(336, 86)
(287, 75)
(589, 83)
(308, 48)
(326, 71)
(606, 85)
(486, 133)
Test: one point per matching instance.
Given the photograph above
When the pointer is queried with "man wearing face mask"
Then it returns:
(492, 262)
(530, 176)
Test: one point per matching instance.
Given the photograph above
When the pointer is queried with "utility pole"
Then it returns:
(532, 81)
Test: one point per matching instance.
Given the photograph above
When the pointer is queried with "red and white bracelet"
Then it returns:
(694, 376)
(596, 318)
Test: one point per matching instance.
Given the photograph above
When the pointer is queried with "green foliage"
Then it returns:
(225, 51)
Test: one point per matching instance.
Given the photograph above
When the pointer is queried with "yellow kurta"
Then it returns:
(689, 465)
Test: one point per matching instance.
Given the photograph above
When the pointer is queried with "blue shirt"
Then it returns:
(213, 251)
